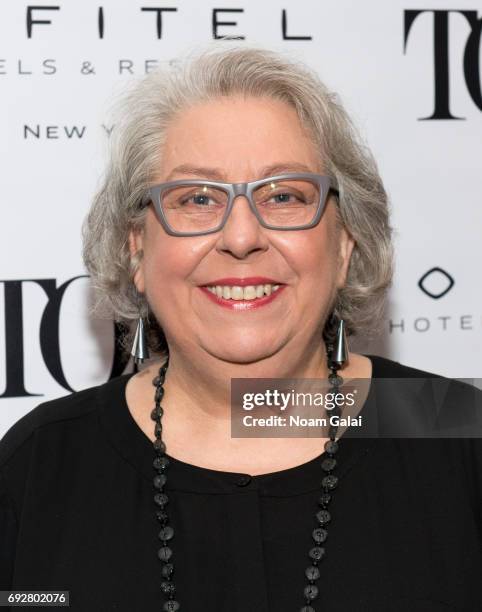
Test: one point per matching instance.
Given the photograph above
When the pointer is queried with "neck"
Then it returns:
(200, 388)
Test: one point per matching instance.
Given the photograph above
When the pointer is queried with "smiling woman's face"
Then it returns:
(240, 138)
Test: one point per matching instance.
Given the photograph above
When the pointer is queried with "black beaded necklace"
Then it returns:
(328, 482)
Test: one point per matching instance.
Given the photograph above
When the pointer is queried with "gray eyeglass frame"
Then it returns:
(154, 194)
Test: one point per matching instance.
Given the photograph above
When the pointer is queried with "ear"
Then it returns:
(347, 242)
(136, 243)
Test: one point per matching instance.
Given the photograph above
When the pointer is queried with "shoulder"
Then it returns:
(56, 414)
(387, 368)
(452, 406)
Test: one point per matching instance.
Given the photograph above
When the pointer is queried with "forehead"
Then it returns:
(238, 135)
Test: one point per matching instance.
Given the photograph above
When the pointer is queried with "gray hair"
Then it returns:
(143, 116)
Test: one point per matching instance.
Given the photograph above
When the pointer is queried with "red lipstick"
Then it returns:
(243, 282)
(243, 305)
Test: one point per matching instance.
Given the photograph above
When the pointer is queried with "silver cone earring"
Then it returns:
(139, 349)
(340, 347)
(139, 346)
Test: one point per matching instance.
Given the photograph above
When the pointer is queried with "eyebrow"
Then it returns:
(216, 174)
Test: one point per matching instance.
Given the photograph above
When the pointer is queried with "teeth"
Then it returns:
(248, 293)
(251, 292)
(237, 293)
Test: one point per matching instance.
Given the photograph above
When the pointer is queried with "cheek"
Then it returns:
(168, 259)
(324, 251)
(164, 263)
(314, 254)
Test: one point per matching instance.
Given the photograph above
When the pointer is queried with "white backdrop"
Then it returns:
(57, 79)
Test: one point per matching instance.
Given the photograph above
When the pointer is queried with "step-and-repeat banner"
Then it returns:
(409, 73)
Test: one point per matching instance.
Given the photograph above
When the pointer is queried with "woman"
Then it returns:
(240, 222)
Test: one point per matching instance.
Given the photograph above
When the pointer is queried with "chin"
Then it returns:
(241, 354)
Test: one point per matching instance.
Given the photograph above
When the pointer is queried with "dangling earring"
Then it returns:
(139, 349)
(339, 350)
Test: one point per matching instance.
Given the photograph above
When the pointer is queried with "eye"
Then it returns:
(201, 199)
(283, 197)
(286, 194)
(197, 198)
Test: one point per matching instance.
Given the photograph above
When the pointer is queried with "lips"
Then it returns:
(234, 298)
(243, 282)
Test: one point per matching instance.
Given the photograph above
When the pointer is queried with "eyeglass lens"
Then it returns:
(283, 203)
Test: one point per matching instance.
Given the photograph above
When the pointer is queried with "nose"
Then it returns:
(242, 234)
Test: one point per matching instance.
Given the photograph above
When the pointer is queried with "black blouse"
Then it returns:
(77, 514)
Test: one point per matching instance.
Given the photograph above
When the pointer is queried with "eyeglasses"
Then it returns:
(195, 207)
